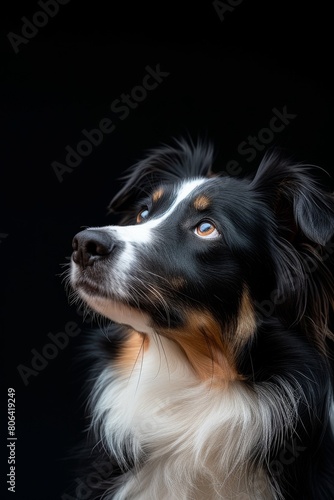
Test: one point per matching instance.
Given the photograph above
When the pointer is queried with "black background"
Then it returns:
(224, 79)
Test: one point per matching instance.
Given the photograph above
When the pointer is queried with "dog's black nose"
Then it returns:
(90, 245)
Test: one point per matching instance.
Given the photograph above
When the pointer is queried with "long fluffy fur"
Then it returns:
(216, 382)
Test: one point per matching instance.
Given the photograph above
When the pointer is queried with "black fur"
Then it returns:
(277, 240)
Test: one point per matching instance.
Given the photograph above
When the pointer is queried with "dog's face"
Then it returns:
(197, 251)
(185, 249)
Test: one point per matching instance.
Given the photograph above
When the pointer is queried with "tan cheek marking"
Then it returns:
(246, 323)
(201, 202)
(201, 342)
(157, 194)
(132, 350)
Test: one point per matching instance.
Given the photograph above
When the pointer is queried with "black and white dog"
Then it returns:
(214, 379)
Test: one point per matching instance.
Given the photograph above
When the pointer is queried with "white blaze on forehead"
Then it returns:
(185, 190)
(134, 237)
(142, 233)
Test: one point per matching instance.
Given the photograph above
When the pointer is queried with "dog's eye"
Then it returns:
(206, 229)
(142, 215)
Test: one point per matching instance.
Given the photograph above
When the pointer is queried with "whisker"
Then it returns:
(158, 341)
(156, 293)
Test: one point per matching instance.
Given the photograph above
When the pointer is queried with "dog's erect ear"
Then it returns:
(163, 165)
(296, 198)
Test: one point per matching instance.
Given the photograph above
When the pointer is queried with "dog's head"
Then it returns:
(203, 252)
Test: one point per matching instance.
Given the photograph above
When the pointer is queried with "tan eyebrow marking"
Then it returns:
(157, 194)
(201, 202)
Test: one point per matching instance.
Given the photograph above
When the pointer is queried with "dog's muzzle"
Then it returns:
(90, 246)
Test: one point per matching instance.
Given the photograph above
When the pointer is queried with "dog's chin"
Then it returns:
(117, 311)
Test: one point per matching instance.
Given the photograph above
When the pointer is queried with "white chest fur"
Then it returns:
(196, 438)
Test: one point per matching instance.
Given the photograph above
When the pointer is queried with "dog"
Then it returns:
(213, 379)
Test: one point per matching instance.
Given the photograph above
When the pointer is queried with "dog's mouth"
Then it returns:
(89, 286)
(115, 309)
(110, 304)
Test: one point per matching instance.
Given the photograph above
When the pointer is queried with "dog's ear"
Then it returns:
(163, 165)
(300, 204)
(303, 218)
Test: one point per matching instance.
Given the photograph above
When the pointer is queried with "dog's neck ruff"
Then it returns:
(197, 439)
